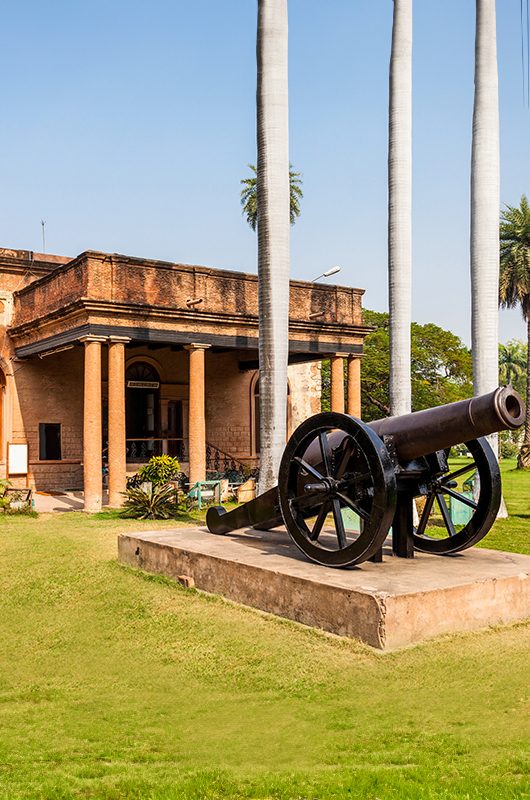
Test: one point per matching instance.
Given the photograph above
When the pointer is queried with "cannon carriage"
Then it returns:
(343, 484)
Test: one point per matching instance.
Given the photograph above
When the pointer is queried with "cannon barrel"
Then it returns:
(423, 432)
(410, 437)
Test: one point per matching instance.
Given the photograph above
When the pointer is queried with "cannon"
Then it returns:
(343, 484)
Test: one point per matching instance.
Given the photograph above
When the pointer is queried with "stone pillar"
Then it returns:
(117, 444)
(337, 384)
(354, 386)
(196, 414)
(92, 460)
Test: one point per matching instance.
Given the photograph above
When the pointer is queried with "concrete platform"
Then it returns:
(387, 606)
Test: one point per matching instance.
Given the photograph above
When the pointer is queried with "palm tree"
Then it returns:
(514, 287)
(485, 206)
(512, 362)
(249, 196)
(399, 206)
(273, 209)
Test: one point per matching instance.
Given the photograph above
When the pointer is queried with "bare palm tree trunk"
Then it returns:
(400, 207)
(485, 203)
(273, 232)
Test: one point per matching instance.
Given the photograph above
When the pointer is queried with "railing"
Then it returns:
(141, 450)
(220, 463)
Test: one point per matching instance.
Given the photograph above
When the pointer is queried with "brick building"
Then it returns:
(147, 357)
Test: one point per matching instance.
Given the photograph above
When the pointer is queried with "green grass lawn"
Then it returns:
(114, 684)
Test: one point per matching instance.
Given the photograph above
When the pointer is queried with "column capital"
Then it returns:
(119, 339)
(197, 346)
(90, 338)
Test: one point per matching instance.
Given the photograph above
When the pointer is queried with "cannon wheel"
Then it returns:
(350, 469)
(485, 507)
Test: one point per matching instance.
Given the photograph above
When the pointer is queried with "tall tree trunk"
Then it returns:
(523, 459)
(273, 233)
(485, 203)
(400, 207)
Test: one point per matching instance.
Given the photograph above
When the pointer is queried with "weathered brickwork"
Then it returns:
(306, 387)
(228, 405)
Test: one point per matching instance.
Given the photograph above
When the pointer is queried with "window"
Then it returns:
(49, 441)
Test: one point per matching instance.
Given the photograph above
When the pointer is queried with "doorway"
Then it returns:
(142, 404)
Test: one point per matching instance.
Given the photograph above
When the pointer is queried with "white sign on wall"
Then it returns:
(143, 384)
(17, 459)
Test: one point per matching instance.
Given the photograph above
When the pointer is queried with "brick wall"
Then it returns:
(51, 390)
(228, 404)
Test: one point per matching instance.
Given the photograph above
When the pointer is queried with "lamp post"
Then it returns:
(331, 271)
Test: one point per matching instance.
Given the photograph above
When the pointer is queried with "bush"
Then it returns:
(160, 469)
(150, 501)
(509, 444)
(13, 501)
(4, 497)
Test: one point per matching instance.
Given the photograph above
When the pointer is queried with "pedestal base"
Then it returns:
(387, 605)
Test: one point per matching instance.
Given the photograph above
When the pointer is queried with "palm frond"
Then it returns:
(249, 196)
(514, 277)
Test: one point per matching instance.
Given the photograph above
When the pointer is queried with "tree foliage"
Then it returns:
(514, 283)
(514, 287)
(440, 364)
(249, 196)
(513, 358)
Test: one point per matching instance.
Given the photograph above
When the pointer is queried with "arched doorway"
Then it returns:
(142, 403)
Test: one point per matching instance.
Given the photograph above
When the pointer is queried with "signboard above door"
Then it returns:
(143, 384)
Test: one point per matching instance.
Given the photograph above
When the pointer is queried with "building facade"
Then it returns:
(106, 358)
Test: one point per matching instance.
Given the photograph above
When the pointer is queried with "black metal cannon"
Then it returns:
(343, 483)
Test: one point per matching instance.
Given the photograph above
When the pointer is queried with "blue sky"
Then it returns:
(127, 126)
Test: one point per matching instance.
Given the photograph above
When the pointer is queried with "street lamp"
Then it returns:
(331, 271)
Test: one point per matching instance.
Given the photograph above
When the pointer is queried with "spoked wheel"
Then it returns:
(337, 490)
(438, 531)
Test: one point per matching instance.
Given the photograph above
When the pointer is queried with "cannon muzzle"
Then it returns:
(423, 432)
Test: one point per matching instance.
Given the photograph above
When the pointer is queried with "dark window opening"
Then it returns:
(49, 441)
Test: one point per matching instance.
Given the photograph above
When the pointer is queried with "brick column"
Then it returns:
(197, 416)
(117, 444)
(92, 460)
(354, 386)
(337, 384)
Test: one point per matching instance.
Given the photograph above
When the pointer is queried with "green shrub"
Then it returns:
(14, 501)
(509, 444)
(25, 510)
(160, 469)
(150, 501)
(5, 499)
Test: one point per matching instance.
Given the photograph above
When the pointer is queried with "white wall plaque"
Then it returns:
(17, 458)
